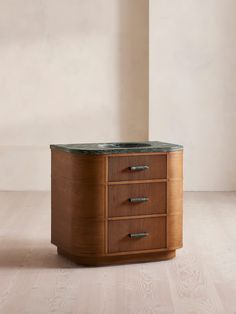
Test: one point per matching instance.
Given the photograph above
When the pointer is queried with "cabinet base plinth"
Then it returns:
(117, 259)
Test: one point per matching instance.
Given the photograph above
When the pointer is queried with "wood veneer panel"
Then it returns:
(79, 238)
(175, 197)
(175, 165)
(118, 167)
(78, 199)
(119, 240)
(83, 168)
(119, 195)
(175, 231)
(175, 200)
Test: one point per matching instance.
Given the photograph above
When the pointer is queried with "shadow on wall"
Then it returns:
(133, 71)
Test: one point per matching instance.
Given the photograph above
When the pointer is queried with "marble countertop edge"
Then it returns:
(105, 148)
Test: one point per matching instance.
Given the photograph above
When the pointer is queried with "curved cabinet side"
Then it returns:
(175, 200)
(78, 197)
(74, 166)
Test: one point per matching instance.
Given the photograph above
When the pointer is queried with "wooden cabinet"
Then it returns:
(136, 234)
(137, 199)
(119, 167)
(117, 208)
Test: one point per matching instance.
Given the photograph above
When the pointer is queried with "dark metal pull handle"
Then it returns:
(138, 235)
(138, 199)
(138, 168)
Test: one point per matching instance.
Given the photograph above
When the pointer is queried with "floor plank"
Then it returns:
(201, 279)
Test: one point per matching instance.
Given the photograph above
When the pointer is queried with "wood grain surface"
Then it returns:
(87, 192)
(175, 200)
(119, 199)
(82, 168)
(118, 167)
(77, 202)
(119, 240)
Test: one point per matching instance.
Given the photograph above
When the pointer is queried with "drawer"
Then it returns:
(137, 199)
(144, 167)
(124, 234)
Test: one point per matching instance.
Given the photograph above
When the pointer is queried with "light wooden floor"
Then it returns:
(201, 279)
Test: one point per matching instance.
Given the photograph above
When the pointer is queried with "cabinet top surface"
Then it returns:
(118, 147)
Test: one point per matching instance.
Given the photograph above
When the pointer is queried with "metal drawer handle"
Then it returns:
(138, 168)
(138, 235)
(138, 199)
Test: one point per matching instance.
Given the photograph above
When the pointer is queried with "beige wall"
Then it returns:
(71, 71)
(192, 86)
(77, 71)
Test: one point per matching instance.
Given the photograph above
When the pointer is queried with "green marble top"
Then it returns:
(118, 147)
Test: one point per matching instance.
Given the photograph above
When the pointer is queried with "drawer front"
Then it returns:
(145, 167)
(136, 234)
(137, 199)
